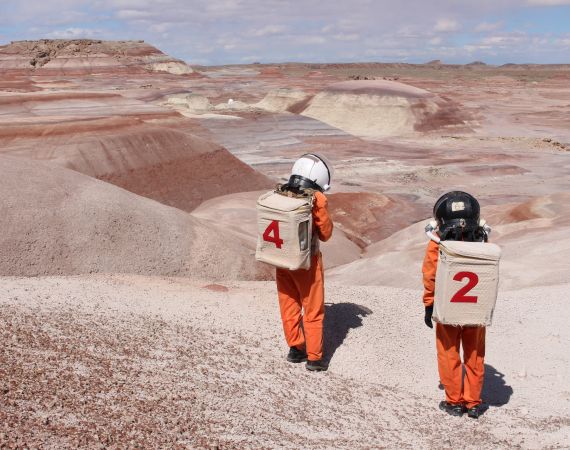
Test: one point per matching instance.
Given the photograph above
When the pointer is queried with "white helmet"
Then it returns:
(311, 171)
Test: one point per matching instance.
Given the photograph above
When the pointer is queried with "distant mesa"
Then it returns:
(72, 56)
(382, 108)
(434, 62)
(476, 63)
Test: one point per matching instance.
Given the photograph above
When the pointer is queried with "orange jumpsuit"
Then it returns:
(448, 338)
(304, 289)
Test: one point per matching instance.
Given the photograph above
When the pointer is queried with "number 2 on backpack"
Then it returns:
(460, 296)
(273, 227)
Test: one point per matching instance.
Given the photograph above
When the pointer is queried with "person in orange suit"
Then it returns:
(461, 393)
(301, 292)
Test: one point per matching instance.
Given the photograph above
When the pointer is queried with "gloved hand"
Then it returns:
(427, 317)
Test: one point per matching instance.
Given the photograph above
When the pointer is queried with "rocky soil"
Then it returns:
(119, 361)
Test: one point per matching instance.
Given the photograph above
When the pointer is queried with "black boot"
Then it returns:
(474, 412)
(317, 366)
(296, 356)
(451, 409)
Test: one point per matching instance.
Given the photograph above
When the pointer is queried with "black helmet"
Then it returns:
(457, 215)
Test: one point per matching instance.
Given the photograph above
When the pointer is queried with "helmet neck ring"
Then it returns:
(299, 183)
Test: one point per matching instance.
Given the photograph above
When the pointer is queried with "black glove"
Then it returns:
(427, 317)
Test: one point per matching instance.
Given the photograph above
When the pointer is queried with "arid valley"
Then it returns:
(133, 313)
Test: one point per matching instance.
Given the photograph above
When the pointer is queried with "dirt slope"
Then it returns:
(58, 221)
(534, 237)
(170, 166)
(236, 212)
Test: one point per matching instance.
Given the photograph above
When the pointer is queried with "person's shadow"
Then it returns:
(339, 319)
(496, 392)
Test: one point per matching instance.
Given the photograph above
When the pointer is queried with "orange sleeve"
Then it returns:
(321, 217)
(429, 269)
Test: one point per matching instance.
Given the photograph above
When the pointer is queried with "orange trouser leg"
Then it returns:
(448, 361)
(313, 299)
(290, 307)
(303, 288)
(473, 340)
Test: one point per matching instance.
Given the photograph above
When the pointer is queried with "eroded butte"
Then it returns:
(131, 302)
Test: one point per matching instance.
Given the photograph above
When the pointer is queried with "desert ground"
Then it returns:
(133, 313)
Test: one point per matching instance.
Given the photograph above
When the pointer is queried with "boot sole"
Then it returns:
(316, 369)
(450, 412)
(296, 361)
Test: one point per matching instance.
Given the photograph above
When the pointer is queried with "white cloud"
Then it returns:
(505, 39)
(475, 48)
(268, 30)
(250, 59)
(310, 40)
(130, 14)
(548, 2)
(346, 37)
(488, 26)
(73, 33)
(446, 25)
(410, 32)
(126, 4)
(161, 27)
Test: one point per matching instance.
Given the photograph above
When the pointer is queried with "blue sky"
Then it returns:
(242, 31)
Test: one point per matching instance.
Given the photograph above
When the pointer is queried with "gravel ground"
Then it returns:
(123, 361)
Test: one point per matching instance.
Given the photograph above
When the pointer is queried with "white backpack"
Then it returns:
(285, 230)
(466, 283)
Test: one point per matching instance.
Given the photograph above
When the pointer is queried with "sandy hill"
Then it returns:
(368, 217)
(58, 221)
(360, 218)
(114, 137)
(380, 108)
(534, 236)
(170, 166)
(237, 213)
(76, 56)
